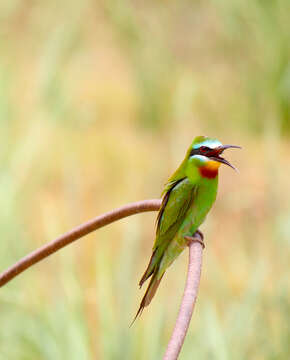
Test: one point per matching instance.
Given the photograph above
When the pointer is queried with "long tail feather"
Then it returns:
(154, 262)
(149, 271)
(149, 294)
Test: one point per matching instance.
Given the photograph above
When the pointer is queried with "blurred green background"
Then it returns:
(98, 102)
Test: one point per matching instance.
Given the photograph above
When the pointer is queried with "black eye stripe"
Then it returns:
(205, 148)
(194, 152)
(200, 151)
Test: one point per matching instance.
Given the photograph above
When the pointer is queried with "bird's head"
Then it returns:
(204, 157)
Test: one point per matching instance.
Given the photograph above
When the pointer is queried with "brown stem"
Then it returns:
(193, 274)
(188, 300)
(76, 233)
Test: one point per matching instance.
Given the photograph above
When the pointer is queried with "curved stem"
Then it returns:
(193, 274)
(76, 233)
(188, 300)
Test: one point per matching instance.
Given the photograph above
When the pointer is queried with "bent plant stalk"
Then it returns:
(193, 274)
(75, 234)
(188, 299)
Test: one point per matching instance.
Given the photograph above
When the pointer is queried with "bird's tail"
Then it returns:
(150, 292)
(152, 270)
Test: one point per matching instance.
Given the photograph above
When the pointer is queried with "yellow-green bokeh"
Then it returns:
(98, 103)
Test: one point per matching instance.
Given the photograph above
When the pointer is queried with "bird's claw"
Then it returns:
(197, 237)
(200, 234)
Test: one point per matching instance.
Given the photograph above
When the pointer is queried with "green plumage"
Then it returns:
(188, 196)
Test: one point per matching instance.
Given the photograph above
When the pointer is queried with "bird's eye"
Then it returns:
(204, 149)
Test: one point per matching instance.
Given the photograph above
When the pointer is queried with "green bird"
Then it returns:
(187, 198)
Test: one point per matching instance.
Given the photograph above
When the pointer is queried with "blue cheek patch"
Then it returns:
(200, 160)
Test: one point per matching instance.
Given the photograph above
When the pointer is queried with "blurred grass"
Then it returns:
(98, 103)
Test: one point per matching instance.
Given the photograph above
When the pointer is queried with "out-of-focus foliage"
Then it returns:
(98, 103)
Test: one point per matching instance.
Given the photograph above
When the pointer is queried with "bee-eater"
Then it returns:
(187, 198)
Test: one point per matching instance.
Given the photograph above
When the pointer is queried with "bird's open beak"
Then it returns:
(217, 152)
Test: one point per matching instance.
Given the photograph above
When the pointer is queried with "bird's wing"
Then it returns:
(175, 204)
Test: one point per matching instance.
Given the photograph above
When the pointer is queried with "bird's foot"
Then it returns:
(197, 237)
(200, 234)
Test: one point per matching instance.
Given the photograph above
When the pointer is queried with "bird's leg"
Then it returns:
(197, 237)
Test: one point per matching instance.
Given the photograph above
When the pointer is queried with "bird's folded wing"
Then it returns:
(175, 204)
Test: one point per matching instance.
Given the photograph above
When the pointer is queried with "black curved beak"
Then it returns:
(216, 156)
